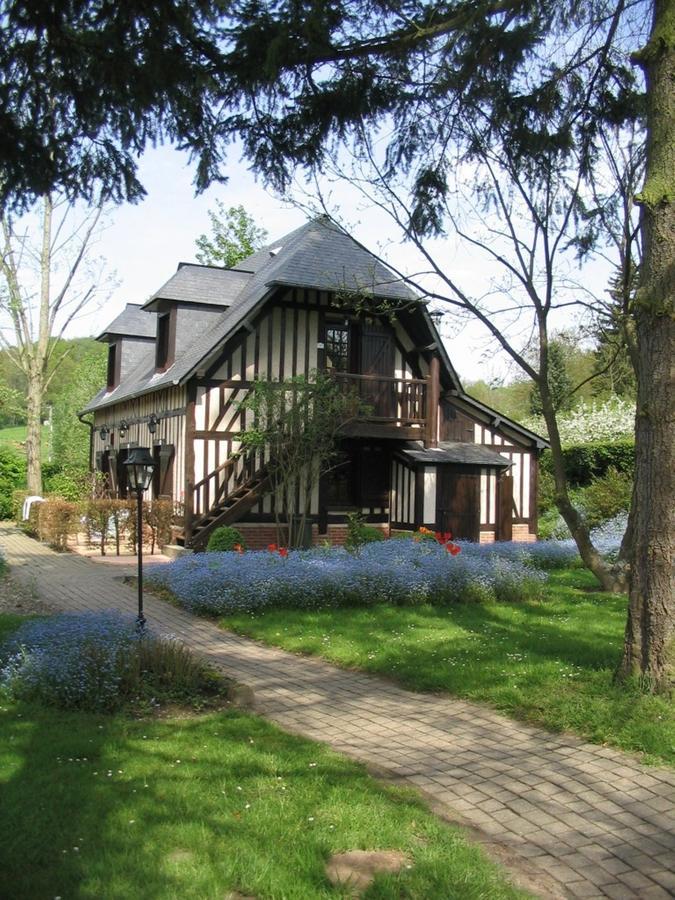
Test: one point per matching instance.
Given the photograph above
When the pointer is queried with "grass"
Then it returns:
(198, 806)
(548, 663)
(15, 437)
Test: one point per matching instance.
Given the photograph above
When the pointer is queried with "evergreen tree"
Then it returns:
(559, 382)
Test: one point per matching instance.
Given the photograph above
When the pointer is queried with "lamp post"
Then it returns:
(140, 466)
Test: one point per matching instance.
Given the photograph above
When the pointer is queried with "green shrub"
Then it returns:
(584, 462)
(68, 484)
(12, 477)
(607, 496)
(18, 498)
(225, 538)
(359, 534)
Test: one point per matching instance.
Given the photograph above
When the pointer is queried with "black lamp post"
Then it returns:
(140, 466)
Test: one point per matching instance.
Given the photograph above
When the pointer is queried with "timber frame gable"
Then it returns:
(422, 453)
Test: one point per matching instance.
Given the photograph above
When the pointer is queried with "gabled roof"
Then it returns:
(209, 285)
(133, 321)
(496, 420)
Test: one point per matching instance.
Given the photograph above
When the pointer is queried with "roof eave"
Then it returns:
(498, 419)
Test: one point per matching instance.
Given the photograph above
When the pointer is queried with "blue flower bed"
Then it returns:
(402, 572)
(72, 660)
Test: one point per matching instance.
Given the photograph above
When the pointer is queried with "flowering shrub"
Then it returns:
(69, 660)
(402, 572)
(96, 661)
(587, 422)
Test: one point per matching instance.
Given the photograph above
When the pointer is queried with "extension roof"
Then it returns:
(455, 452)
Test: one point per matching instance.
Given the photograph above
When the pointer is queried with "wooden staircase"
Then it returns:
(229, 508)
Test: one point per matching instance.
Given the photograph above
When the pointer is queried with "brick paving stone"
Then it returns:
(593, 818)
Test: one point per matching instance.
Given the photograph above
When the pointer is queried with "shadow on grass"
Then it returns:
(98, 807)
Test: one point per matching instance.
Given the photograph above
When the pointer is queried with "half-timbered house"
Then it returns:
(422, 452)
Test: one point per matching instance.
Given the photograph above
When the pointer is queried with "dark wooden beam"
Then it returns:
(433, 399)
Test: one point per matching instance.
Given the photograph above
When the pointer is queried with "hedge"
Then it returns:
(584, 462)
(12, 477)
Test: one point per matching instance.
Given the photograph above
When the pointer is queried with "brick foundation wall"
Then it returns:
(337, 534)
(522, 533)
(259, 536)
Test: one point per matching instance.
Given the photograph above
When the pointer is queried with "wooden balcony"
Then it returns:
(391, 407)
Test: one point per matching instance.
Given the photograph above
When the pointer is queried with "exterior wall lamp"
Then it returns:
(139, 466)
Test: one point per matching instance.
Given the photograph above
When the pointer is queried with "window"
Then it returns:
(337, 347)
(164, 351)
(113, 367)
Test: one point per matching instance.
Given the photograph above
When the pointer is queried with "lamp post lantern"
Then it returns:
(140, 466)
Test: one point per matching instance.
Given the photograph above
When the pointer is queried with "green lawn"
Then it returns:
(15, 437)
(549, 663)
(198, 806)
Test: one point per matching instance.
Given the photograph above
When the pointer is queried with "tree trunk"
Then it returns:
(33, 436)
(609, 579)
(649, 648)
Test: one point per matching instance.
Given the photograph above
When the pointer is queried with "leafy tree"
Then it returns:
(234, 237)
(37, 307)
(70, 440)
(296, 426)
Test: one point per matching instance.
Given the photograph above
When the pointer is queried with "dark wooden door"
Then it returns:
(504, 508)
(374, 472)
(458, 500)
(377, 359)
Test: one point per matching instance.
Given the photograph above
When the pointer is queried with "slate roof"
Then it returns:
(133, 321)
(454, 452)
(193, 283)
(319, 254)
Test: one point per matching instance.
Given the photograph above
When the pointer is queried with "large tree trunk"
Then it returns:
(33, 436)
(649, 650)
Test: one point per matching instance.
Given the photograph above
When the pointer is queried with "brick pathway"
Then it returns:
(578, 819)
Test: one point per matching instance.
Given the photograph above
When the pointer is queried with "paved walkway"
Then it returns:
(580, 820)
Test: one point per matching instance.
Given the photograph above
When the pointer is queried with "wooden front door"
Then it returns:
(377, 358)
(458, 502)
(504, 508)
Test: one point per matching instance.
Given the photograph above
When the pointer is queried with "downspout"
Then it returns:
(90, 425)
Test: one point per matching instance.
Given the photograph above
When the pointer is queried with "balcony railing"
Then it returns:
(399, 401)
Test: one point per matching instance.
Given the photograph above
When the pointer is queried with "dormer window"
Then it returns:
(113, 366)
(166, 340)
